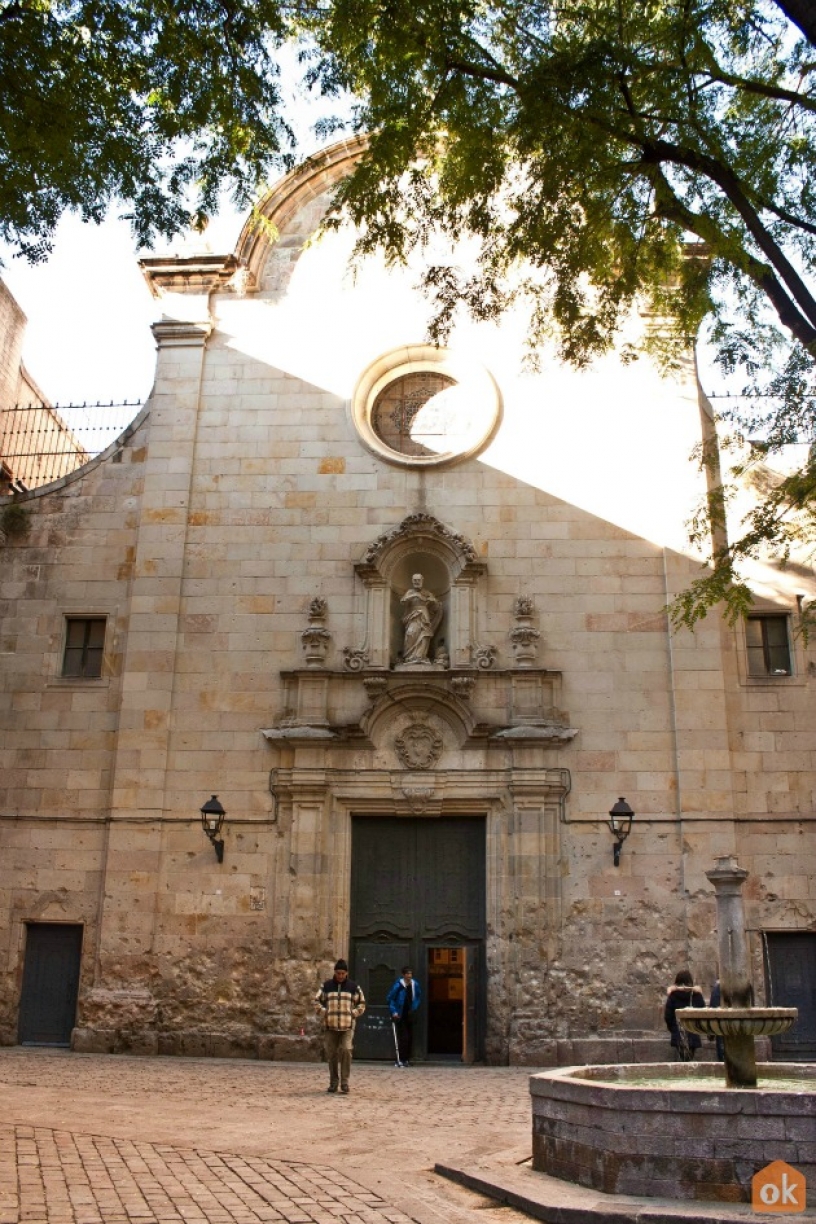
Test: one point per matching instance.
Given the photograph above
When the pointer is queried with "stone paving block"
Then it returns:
(124, 1140)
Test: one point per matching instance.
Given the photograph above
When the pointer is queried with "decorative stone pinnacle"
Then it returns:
(524, 637)
(315, 638)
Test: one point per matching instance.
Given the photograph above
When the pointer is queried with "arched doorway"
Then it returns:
(418, 898)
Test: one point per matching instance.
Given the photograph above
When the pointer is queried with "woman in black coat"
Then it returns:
(682, 994)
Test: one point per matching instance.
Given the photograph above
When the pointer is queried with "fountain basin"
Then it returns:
(737, 1021)
(673, 1130)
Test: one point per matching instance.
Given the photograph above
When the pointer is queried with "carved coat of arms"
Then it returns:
(419, 746)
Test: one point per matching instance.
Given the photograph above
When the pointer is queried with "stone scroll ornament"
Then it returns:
(483, 656)
(419, 746)
(355, 660)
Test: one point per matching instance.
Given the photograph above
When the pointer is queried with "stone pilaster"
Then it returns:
(139, 776)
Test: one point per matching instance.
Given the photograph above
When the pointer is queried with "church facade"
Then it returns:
(393, 617)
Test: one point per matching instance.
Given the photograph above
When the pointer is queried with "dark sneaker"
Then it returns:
(343, 1088)
(332, 1088)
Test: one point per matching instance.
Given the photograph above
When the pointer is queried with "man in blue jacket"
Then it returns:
(403, 1000)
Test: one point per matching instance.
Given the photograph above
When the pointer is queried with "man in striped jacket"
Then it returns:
(339, 1002)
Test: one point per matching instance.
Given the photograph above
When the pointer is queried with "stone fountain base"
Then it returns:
(629, 1130)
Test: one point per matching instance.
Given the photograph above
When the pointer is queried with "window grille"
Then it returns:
(768, 642)
(84, 646)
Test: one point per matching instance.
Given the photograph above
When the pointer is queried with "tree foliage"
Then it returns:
(158, 104)
(586, 144)
(600, 152)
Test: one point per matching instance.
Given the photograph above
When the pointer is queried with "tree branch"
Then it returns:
(496, 75)
(657, 152)
(668, 205)
(774, 92)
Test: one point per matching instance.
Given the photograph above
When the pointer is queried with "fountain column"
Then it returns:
(727, 878)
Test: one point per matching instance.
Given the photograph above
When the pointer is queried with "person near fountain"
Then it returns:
(682, 994)
(716, 1001)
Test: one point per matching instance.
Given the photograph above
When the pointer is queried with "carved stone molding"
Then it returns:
(418, 798)
(180, 333)
(367, 708)
(375, 686)
(420, 524)
(192, 274)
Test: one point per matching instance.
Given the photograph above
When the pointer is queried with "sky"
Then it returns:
(89, 310)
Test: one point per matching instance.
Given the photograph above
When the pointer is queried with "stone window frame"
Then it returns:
(423, 358)
(797, 674)
(766, 621)
(83, 612)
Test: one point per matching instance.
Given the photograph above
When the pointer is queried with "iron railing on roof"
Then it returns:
(42, 442)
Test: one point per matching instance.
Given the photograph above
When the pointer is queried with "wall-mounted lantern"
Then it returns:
(212, 818)
(620, 824)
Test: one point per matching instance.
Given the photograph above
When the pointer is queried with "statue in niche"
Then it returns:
(421, 616)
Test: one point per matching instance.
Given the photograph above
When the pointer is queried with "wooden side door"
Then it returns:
(790, 967)
(376, 967)
(470, 1008)
(53, 957)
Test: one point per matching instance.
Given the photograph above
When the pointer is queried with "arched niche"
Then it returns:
(450, 570)
(413, 702)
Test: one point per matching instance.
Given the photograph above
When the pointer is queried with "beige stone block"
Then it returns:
(53, 880)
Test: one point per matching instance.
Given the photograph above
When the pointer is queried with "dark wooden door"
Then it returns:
(470, 1006)
(376, 967)
(48, 1000)
(415, 883)
(791, 973)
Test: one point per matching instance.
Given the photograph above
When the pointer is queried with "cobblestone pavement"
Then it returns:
(94, 1139)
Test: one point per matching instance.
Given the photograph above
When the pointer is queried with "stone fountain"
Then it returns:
(677, 1130)
(738, 1022)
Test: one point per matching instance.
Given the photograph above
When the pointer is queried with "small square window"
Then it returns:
(768, 643)
(84, 647)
